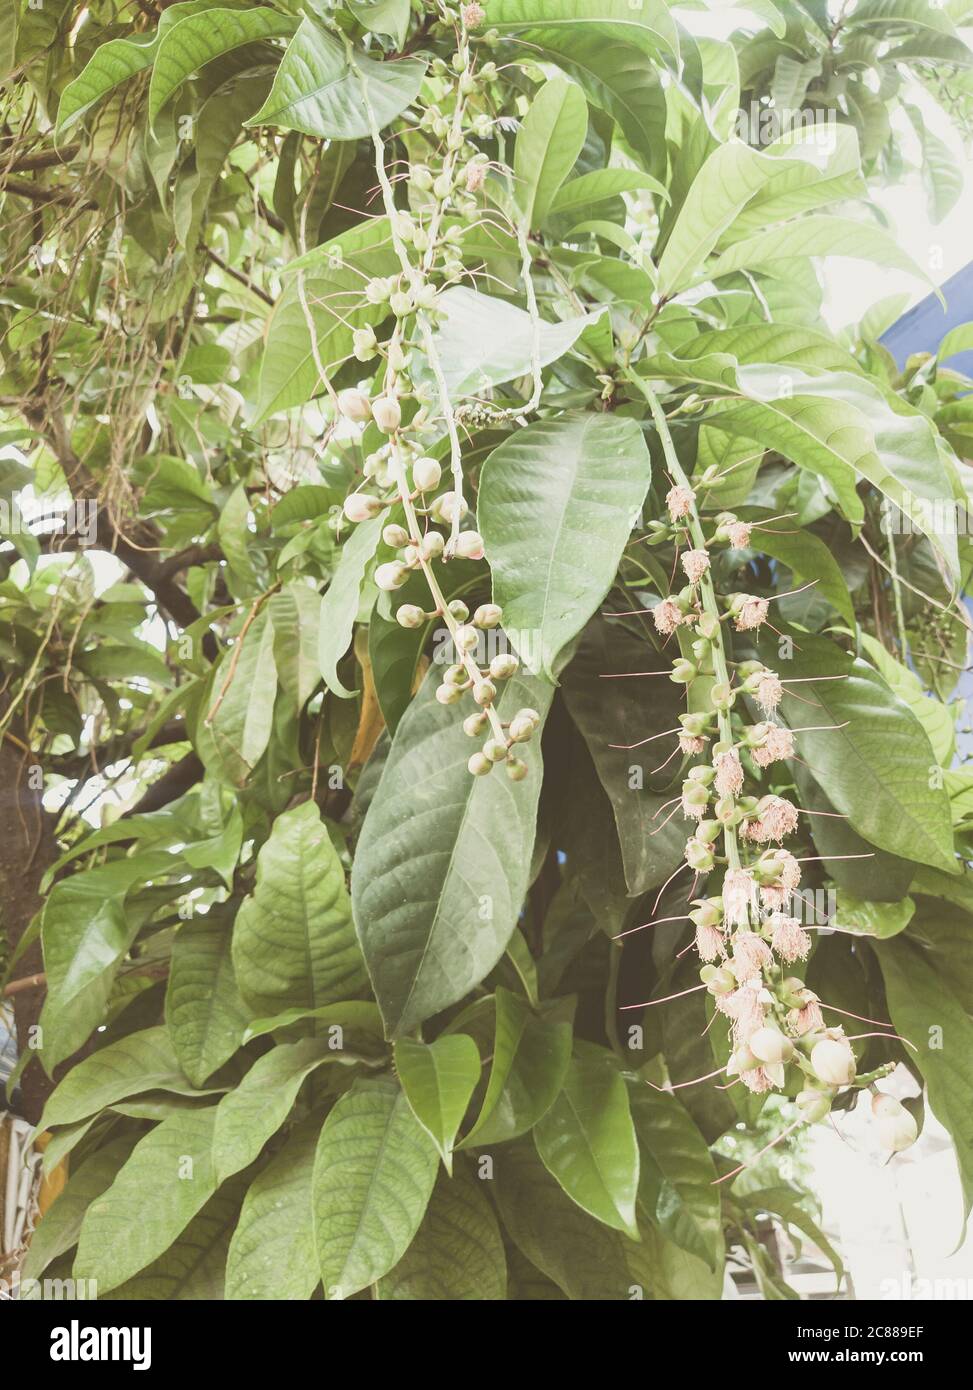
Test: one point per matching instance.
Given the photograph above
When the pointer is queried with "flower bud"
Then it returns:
(459, 610)
(387, 413)
(474, 724)
(814, 1105)
(721, 696)
(683, 671)
(432, 545)
(448, 694)
(503, 666)
(378, 290)
(521, 730)
(479, 764)
(466, 638)
(420, 177)
(528, 713)
(410, 615)
(488, 615)
(353, 405)
(395, 536)
(709, 913)
(391, 576)
(401, 303)
(426, 474)
(469, 545)
(454, 675)
(897, 1132)
(709, 831)
(516, 769)
(495, 750)
(699, 856)
(364, 343)
(721, 981)
(770, 1045)
(362, 506)
(833, 1061)
(484, 692)
(448, 505)
(885, 1106)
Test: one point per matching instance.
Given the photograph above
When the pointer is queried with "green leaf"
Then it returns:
(531, 1053)
(729, 178)
(293, 941)
(196, 40)
(235, 537)
(383, 17)
(272, 1254)
(807, 555)
(578, 195)
(649, 26)
(438, 1079)
(204, 1013)
(457, 1254)
(61, 1224)
(166, 1181)
(925, 1009)
(319, 92)
(244, 719)
(587, 1141)
(373, 1176)
(584, 1258)
(610, 711)
(483, 341)
(557, 504)
(333, 277)
(134, 1064)
(548, 143)
(935, 717)
(819, 234)
(875, 769)
(860, 917)
(677, 1175)
(193, 1268)
(254, 1110)
(443, 859)
(295, 613)
(339, 607)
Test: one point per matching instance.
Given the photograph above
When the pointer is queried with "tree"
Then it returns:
(487, 501)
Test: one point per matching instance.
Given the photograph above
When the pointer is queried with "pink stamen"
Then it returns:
(643, 926)
(667, 1000)
(766, 1149)
(680, 1084)
(628, 746)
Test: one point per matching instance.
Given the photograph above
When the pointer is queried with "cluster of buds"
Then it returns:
(428, 244)
(746, 936)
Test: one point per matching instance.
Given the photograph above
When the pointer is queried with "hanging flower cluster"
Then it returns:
(410, 413)
(747, 936)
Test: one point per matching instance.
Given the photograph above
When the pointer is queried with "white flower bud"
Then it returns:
(516, 769)
(488, 615)
(469, 545)
(426, 474)
(480, 765)
(401, 304)
(364, 343)
(448, 505)
(495, 750)
(466, 638)
(484, 692)
(391, 576)
(833, 1062)
(770, 1045)
(353, 405)
(397, 355)
(521, 730)
(897, 1132)
(432, 545)
(454, 675)
(448, 694)
(387, 413)
(814, 1105)
(503, 666)
(474, 724)
(378, 290)
(362, 506)
(459, 610)
(395, 536)
(410, 615)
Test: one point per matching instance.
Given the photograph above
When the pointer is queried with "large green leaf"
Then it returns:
(622, 711)
(578, 195)
(254, 1110)
(820, 234)
(242, 724)
(319, 92)
(293, 941)
(875, 768)
(339, 607)
(166, 1181)
(483, 341)
(677, 1175)
(457, 1254)
(443, 859)
(583, 1257)
(926, 1010)
(935, 717)
(61, 1226)
(333, 276)
(862, 917)
(531, 1053)
(438, 1079)
(373, 1176)
(204, 1012)
(194, 1266)
(197, 39)
(134, 1064)
(807, 555)
(272, 1253)
(587, 1141)
(557, 504)
(548, 143)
